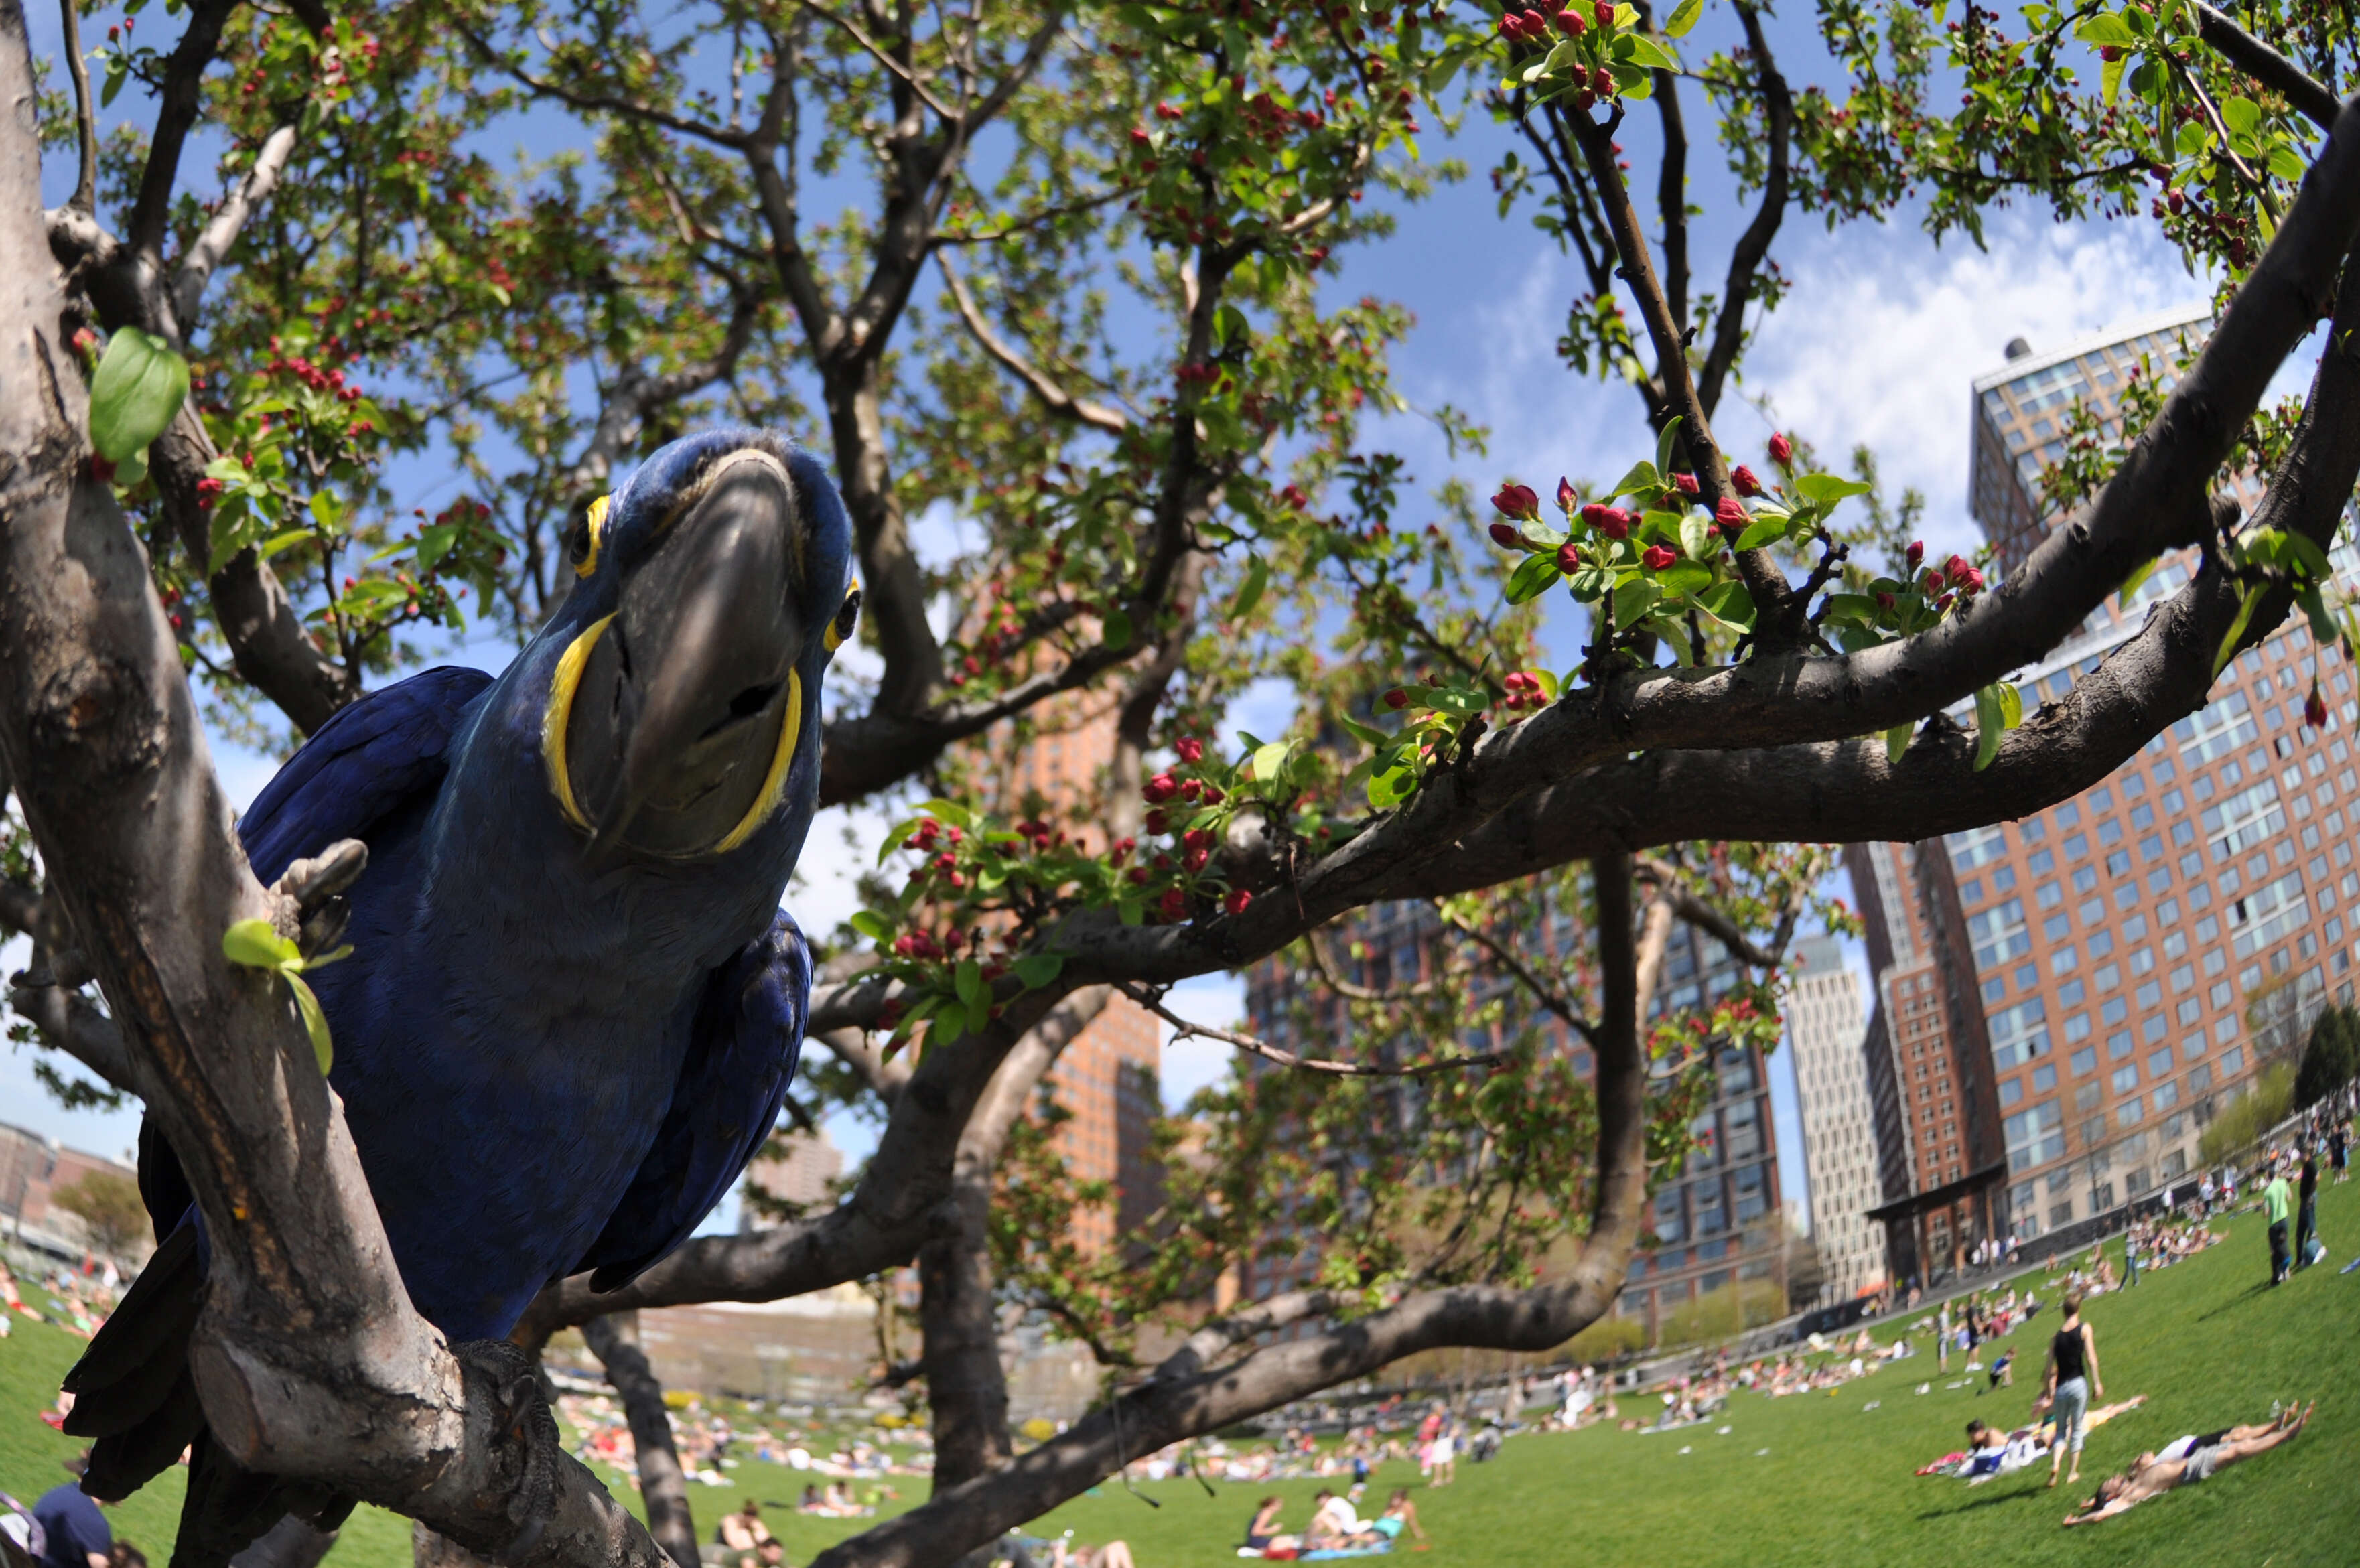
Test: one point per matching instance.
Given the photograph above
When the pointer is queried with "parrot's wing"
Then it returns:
(742, 1056)
(364, 763)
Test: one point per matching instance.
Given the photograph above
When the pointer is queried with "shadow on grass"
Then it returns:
(1990, 1499)
(2242, 1298)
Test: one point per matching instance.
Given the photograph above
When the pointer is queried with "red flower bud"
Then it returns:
(1517, 501)
(1601, 81)
(1511, 26)
(1193, 790)
(1917, 553)
(1157, 821)
(1611, 521)
(1236, 902)
(1396, 698)
(1505, 536)
(1535, 25)
(1932, 583)
(1604, 11)
(1174, 903)
(1565, 495)
(1657, 557)
(1190, 748)
(1569, 22)
(1197, 838)
(2110, 52)
(1885, 601)
(1568, 558)
(1956, 569)
(2315, 709)
(1728, 514)
(1137, 874)
(1747, 485)
(1160, 789)
(1195, 859)
(1686, 484)
(1782, 451)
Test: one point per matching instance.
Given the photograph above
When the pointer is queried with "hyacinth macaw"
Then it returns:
(573, 1003)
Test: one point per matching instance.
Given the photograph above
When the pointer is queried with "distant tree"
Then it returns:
(108, 1202)
(2331, 1059)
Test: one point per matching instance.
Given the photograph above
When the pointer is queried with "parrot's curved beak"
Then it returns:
(685, 719)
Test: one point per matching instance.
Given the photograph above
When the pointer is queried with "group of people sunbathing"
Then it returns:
(1334, 1528)
(2184, 1461)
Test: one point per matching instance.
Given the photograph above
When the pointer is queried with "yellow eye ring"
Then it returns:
(847, 617)
(589, 537)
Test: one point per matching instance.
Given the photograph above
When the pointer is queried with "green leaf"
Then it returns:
(1765, 530)
(2236, 630)
(2104, 29)
(2139, 574)
(1851, 607)
(139, 385)
(1270, 760)
(1589, 583)
(1683, 16)
(1643, 476)
(2011, 704)
(1826, 489)
(1988, 726)
(315, 1023)
(1664, 444)
(1534, 577)
(257, 946)
(1391, 786)
(969, 980)
(2287, 164)
(1684, 577)
(1896, 741)
(1037, 969)
(2110, 80)
(1633, 599)
(1696, 535)
(2322, 624)
(872, 925)
(949, 812)
(1367, 734)
(1643, 51)
(1676, 635)
(1250, 592)
(978, 1015)
(1118, 630)
(1730, 603)
(2242, 115)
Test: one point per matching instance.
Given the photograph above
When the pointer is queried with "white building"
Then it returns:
(1825, 1024)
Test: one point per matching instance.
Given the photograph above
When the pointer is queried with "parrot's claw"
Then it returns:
(316, 885)
(504, 1384)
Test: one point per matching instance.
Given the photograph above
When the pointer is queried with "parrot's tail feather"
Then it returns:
(123, 1462)
(140, 1351)
(228, 1507)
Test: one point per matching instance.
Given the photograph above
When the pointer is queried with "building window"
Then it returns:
(1999, 933)
(2034, 1136)
(2019, 1034)
(2269, 912)
(1976, 847)
(2244, 819)
(2215, 730)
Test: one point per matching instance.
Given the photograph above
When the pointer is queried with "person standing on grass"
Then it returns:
(2278, 1198)
(2339, 1147)
(2072, 1374)
(2130, 1256)
(2306, 1220)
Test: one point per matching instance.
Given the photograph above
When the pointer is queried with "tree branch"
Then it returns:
(221, 233)
(2266, 65)
(664, 1490)
(85, 194)
(1746, 256)
(308, 1358)
(1055, 398)
(177, 106)
(1147, 998)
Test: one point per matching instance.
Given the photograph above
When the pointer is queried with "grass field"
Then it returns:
(2207, 1342)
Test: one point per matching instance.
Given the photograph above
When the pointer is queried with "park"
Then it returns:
(987, 754)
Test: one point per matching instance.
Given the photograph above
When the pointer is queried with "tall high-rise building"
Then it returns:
(1827, 1029)
(1109, 1077)
(1716, 1223)
(2020, 412)
(2131, 956)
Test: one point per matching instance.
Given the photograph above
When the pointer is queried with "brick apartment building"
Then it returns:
(2083, 987)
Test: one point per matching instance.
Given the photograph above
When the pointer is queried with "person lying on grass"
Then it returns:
(2189, 1460)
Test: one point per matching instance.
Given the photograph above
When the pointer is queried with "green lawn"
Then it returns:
(2204, 1340)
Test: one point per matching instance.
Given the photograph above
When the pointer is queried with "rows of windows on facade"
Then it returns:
(2062, 1002)
(1716, 1223)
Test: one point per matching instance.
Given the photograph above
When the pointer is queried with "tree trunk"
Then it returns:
(664, 1490)
(966, 1384)
(289, 1543)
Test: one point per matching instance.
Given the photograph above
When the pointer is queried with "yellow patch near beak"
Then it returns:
(561, 709)
(774, 783)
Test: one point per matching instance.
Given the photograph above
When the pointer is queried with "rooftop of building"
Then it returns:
(2032, 364)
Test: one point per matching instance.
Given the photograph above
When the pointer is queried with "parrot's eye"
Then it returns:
(589, 533)
(839, 630)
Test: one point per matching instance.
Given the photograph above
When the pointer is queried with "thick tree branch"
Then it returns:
(2266, 65)
(177, 107)
(85, 193)
(663, 1490)
(308, 1357)
(68, 1021)
(1707, 917)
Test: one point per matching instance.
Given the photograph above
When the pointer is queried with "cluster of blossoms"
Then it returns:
(1591, 50)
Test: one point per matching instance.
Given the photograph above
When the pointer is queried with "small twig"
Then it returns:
(1548, 996)
(1059, 401)
(1353, 990)
(909, 78)
(1149, 999)
(85, 196)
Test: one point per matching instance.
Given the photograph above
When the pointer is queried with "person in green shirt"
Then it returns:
(2277, 1199)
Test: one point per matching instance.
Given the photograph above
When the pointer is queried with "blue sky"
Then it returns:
(1882, 333)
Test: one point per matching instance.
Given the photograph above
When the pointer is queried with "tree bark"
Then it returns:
(663, 1490)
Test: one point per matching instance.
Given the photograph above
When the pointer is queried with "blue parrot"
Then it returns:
(574, 1004)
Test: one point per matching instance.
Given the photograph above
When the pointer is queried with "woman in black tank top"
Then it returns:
(2073, 1373)
(2065, 1349)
